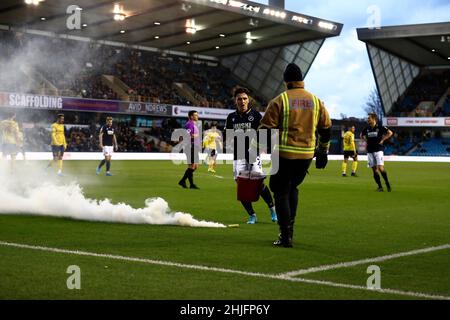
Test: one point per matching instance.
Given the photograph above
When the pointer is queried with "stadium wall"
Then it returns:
(180, 157)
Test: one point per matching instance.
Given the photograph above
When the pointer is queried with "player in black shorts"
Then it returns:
(108, 144)
(375, 136)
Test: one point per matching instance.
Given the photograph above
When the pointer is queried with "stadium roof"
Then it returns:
(162, 23)
(424, 45)
(398, 54)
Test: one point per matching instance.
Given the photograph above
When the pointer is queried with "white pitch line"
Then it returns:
(223, 270)
(382, 290)
(131, 259)
(363, 261)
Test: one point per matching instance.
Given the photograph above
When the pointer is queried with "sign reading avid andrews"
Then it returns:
(146, 108)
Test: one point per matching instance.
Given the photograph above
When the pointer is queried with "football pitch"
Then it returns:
(343, 226)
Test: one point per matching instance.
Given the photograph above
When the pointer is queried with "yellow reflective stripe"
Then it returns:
(322, 145)
(296, 148)
(300, 148)
(316, 118)
(316, 113)
(296, 151)
(282, 123)
(284, 135)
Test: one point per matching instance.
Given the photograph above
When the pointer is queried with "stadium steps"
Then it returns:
(37, 81)
(412, 150)
(117, 85)
(186, 92)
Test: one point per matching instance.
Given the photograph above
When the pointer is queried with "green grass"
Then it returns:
(339, 219)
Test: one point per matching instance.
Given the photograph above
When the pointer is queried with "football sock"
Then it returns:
(376, 176)
(248, 207)
(344, 167)
(385, 177)
(267, 196)
(108, 165)
(186, 174)
(191, 176)
(60, 165)
(354, 166)
(102, 163)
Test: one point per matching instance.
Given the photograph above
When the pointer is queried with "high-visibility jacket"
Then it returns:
(10, 133)
(297, 114)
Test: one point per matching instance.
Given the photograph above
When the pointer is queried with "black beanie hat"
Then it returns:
(292, 73)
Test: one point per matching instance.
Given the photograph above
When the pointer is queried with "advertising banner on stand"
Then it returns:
(143, 108)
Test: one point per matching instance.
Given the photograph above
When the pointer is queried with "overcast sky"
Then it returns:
(341, 74)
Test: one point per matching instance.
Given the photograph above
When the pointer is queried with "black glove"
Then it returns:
(321, 160)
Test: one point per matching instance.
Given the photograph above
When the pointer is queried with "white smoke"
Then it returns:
(23, 193)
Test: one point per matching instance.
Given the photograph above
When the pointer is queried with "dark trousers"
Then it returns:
(283, 184)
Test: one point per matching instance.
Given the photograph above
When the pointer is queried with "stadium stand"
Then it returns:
(433, 147)
(75, 68)
(411, 67)
(426, 90)
(108, 64)
(401, 143)
(428, 143)
(40, 57)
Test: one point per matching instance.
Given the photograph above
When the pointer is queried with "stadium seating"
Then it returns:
(399, 145)
(75, 68)
(430, 86)
(433, 147)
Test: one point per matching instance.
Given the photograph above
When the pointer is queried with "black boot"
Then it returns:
(291, 234)
(285, 237)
